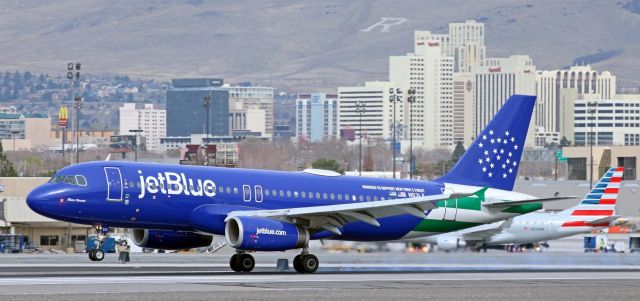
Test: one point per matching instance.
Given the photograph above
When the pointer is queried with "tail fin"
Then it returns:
(493, 158)
(601, 200)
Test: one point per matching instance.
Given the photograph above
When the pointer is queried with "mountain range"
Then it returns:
(303, 46)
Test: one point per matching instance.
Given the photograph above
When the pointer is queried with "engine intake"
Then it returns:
(264, 234)
(169, 240)
(450, 243)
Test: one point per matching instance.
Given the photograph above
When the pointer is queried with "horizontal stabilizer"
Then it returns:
(521, 202)
(609, 219)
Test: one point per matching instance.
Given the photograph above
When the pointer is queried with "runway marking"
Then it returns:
(296, 278)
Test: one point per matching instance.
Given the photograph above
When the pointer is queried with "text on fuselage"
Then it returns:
(173, 183)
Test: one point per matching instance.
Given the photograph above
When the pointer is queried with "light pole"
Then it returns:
(206, 101)
(73, 75)
(14, 132)
(135, 147)
(394, 97)
(411, 99)
(77, 105)
(591, 112)
(360, 109)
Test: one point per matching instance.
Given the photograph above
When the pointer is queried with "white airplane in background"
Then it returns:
(595, 211)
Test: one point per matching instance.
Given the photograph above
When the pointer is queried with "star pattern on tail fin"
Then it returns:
(498, 153)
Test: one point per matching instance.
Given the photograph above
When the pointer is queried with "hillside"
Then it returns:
(302, 45)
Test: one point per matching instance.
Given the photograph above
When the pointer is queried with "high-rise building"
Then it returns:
(377, 118)
(496, 80)
(317, 116)
(244, 100)
(430, 74)
(463, 107)
(186, 113)
(150, 120)
(550, 107)
(464, 43)
(607, 121)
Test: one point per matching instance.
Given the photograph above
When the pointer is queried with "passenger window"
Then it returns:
(375, 198)
(296, 194)
(317, 195)
(235, 190)
(361, 198)
(274, 192)
(368, 198)
(70, 180)
(304, 195)
(333, 196)
(353, 197)
(311, 195)
(288, 193)
(221, 189)
(266, 192)
(83, 182)
(282, 193)
(339, 197)
(247, 193)
(324, 195)
(228, 189)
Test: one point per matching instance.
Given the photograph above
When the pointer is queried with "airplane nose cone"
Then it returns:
(39, 199)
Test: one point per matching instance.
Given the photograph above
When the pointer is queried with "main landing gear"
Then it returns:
(242, 262)
(306, 263)
(96, 255)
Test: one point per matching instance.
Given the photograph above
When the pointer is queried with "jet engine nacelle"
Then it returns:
(264, 234)
(169, 240)
(450, 243)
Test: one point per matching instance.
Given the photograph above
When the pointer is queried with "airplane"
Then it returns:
(180, 207)
(595, 211)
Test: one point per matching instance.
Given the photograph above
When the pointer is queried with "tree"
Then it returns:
(327, 164)
(457, 152)
(367, 164)
(6, 167)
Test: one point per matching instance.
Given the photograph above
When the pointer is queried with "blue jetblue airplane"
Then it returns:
(181, 207)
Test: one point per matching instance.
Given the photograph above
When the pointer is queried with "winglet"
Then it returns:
(108, 157)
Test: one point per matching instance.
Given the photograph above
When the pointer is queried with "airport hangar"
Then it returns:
(44, 233)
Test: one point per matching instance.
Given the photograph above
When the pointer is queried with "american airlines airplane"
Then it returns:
(182, 207)
(595, 211)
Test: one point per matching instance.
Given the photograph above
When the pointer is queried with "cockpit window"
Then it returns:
(56, 179)
(76, 180)
(70, 180)
(81, 180)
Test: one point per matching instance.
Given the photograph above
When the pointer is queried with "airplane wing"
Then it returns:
(521, 202)
(483, 232)
(332, 217)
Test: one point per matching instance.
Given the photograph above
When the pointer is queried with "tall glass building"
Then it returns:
(186, 113)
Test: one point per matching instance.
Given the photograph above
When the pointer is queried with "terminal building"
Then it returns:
(24, 131)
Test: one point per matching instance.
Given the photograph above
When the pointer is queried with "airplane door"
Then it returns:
(114, 183)
(451, 209)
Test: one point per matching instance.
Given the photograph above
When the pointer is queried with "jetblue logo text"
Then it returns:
(172, 183)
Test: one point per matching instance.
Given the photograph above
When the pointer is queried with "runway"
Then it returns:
(377, 276)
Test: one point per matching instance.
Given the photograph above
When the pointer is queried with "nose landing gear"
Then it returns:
(96, 255)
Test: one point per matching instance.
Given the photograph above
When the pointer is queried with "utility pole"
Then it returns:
(77, 105)
(135, 147)
(73, 75)
(206, 101)
(411, 99)
(360, 109)
(591, 112)
(394, 97)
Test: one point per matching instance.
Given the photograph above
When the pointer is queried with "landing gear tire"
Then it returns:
(234, 263)
(297, 263)
(309, 263)
(92, 255)
(98, 255)
(246, 262)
